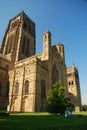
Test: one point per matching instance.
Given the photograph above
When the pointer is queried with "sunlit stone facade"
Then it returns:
(31, 74)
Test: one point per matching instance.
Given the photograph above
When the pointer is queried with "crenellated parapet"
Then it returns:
(59, 50)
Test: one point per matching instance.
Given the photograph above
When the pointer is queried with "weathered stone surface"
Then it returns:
(31, 75)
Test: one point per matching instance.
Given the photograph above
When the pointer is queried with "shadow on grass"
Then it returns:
(41, 122)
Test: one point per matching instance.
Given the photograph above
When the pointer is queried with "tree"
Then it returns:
(56, 101)
(84, 107)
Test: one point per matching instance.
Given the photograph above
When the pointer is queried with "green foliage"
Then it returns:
(56, 101)
(84, 107)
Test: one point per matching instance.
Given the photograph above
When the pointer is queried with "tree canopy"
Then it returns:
(56, 101)
(84, 107)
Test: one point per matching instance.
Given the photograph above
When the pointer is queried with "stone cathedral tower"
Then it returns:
(30, 75)
(19, 40)
(74, 86)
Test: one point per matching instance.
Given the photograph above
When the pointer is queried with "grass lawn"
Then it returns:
(42, 121)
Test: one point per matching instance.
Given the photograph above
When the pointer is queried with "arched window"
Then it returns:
(28, 48)
(26, 88)
(43, 89)
(12, 42)
(8, 47)
(7, 89)
(69, 83)
(54, 74)
(16, 89)
(24, 25)
(23, 45)
(72, 82)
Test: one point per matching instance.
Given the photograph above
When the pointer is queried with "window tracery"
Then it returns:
(10, 45)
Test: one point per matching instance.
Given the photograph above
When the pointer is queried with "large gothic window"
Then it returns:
(43, 89)
(12, 42)
(9, 46)
(16, 89)
(54, 74)
(24, 26)
(26, 88)
(7, 89)
(23, 45)
(28, 48)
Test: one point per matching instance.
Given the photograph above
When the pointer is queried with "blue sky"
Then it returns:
(67, 22)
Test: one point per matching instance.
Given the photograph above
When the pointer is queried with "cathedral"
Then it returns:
(26, 77)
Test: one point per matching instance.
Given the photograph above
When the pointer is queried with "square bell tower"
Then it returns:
(19, 39)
